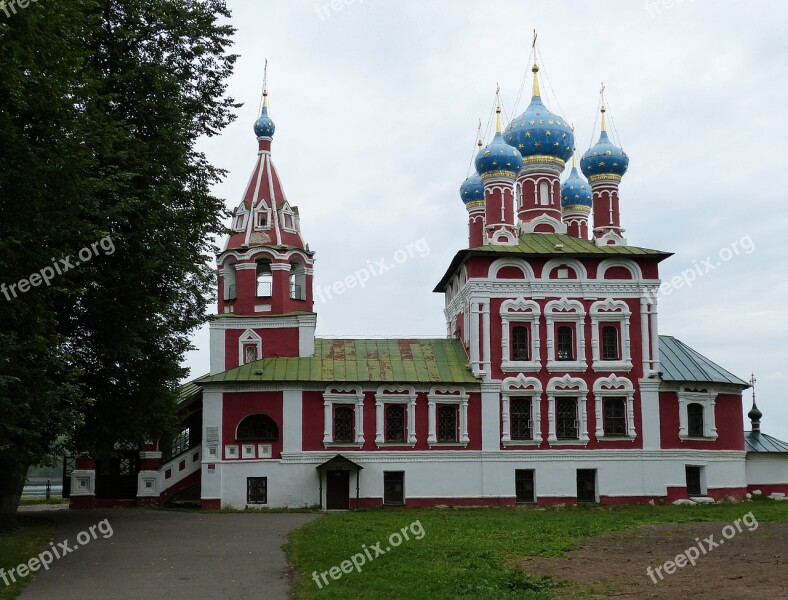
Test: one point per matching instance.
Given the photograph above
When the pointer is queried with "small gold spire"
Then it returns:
(498, 127)
(265, 98)
(265, 84)
(604, 110)
(535, 71)
(574, 158)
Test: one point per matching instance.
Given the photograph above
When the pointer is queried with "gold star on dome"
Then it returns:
(541, 121)
(551, 122)
(615, 164)
(487, 153)
(522, 123)
(527, 134)
(608, 153)
(532, 122)
(602, 164)
(556, 144)
(563, 136)
(521, 146)
(547, 133)
(537, 144)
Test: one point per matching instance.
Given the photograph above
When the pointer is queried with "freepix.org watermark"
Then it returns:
(420, 249)
(700, 268)
(58, 267)
(56, 552)
(702, 547)
(9, 7)
(325, 9)
(370, 553)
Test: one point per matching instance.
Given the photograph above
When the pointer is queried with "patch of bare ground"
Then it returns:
(613, 565)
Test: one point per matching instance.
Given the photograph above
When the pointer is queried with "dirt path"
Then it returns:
(613, 565)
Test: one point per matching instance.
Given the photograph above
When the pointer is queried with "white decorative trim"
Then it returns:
(610, 237)
(617, 311)
(83, 482)
(566, 311)
(516, 311)
(280, 322)
(531, 225)
(706, 397)
(614, 387)
(337, 395)
(517, 263)
(447, 395)
(581, 274)
(521, 386)
(248, 338)
(395, 395)
(573, 387)
(629, 265)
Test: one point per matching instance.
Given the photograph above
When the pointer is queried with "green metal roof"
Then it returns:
(756, 441)
(679, 362)
(549, 244)
(360, 361)
(188, 390)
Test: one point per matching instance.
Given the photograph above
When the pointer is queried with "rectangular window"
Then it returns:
(524, 485)
(520, 349)
(395, 423)
(447, 423)
(610, 346)
(695, 419)
(265, 279)
(520, 419)
(566, 419)
(694, 486)
(565, 344)
(394, 487)
(257, 490)
(250, 353)
(261, 219)
(586, 485)
(343, 424)
(615, 416)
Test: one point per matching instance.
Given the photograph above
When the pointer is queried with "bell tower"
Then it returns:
(265, 301)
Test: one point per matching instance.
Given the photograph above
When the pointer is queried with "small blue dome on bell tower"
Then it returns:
(264, 126)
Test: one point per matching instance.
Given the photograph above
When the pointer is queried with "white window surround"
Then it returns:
(240, 217)
(517, 263)
(521, 386)
(348, 396)
(248, 451)
(520, 311)
(572, 387)
(581, 274)
(262, 210)
(611, 311)
(231, 452)
(614, 387)
(706, 397)
(447, 395)
(566, 311)
(248, 338)
(288, 219)
(608, 263)
(396, 395)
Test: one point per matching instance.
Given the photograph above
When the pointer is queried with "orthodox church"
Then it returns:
(553, 384)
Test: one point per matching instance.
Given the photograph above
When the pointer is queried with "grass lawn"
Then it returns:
(465, 553)
(19, 547)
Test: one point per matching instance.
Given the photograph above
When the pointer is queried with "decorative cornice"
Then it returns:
(490, 175)
(543, 159)
(604, 177)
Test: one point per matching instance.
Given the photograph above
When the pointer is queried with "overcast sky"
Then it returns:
(376, 104)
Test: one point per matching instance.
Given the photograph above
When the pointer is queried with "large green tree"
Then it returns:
(101, 104)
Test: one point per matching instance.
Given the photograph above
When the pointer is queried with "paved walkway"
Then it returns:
(169, 555)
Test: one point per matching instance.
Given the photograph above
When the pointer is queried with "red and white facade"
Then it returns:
(565, 397)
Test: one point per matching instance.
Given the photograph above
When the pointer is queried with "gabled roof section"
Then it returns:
(756, 441)
(549, 245)
(188, 391)
(361, 361)
(679, 362)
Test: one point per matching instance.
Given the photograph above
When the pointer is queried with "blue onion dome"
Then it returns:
(538, 132)
(498, 158)
(264, 126)
(472, 189)
(575, 191)
(604, 157)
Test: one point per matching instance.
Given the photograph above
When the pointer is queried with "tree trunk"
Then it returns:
(12, 482)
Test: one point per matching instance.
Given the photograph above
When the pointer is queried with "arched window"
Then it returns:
(229, 282)
(520, 350)
(544, 194)
(297, 281)
(615, 416)
(265, 279)
(695, 419)
(610, 349)
(565, 343)
(257, 428)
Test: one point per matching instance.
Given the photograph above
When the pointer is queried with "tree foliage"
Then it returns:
(101, 105)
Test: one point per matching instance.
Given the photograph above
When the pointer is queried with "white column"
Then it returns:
(292, 417)
(551, 437)
(682, 416)
(582, 401)
(464, 421)
(211, 479)
(487, 363)
(327, 433)
(432, 438)
(360, 421)
(506, 434)
(379, 421)
(631, 429)
(536, 416)
(594, 339)
(474, 339)
(654, 338)
(600, 430)
(412, 421)
(644, 334)
(491, 416)
(649, 413)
